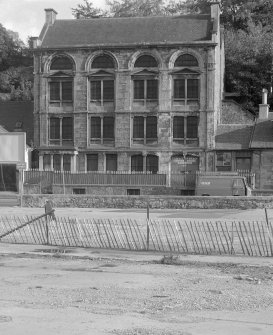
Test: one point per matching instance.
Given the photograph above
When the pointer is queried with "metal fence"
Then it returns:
(185, 180)
(179, 236)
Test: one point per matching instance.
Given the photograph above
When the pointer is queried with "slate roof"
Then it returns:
(17, 111)
(127, 31)
(262, 135)
(233, 136)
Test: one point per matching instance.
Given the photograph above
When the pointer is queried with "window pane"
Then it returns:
(137, 163)
(47, 162)
(178, 127)
(192, 89)
(152, 91)
(151, 127)
(243, 163)
(103, 62)
(54, 88)
(179, 89)
(57, 162)
(152, 163)
(223, 159)
(54, 128)
(67, 90)
(96, 90)
(61, 63)
(108, 127)
(138, 89)
(186, 60)
(192, 127)
(111, 162)
(66, 162)
(146, 61)
(95, 127)
(92, 162)
(108, 90)
(138, 127)
(67, 128)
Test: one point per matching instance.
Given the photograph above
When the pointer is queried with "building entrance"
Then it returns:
(183, 170)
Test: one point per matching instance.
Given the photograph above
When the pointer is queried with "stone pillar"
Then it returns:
(41, 162)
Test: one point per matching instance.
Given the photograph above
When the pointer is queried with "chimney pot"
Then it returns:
(50, 16)
(264, 107)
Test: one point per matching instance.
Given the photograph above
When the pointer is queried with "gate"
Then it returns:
(183, 171)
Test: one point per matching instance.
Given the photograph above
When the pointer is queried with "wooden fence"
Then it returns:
(177, 236)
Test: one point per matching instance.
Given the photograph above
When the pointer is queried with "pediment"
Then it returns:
(60, 74)
(145, 72)
(101, 73)
(186, 71)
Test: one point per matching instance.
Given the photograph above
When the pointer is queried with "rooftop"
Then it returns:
(127, 31)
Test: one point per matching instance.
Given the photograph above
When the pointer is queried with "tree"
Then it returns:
(129, 8)
(16, 71)
(249, 57)
(87, 11)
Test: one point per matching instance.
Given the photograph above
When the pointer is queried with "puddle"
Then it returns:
(54, 251)
(5, 318)
(108, 265)
(82, 270)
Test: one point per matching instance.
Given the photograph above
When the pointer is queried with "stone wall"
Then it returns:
(156, 202)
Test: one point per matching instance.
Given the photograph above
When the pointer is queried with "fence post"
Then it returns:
(46, 230)
(148, 228)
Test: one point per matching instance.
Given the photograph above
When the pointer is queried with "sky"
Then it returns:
(27, 17)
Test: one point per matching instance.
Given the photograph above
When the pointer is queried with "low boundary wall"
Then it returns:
(157, 202)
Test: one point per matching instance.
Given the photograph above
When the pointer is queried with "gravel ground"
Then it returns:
(154, 292)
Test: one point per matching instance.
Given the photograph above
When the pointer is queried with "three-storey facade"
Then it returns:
(128, 94)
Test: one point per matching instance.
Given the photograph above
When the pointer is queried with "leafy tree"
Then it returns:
(129, 8)
(87, 11)
(249, 57)
(16, 71)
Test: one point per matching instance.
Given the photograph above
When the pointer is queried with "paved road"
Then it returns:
(227, 214)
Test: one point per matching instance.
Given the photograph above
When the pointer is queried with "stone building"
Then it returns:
(128, 94)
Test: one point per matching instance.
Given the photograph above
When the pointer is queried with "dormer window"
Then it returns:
(61, 82)
(102, 84)
(186, 80)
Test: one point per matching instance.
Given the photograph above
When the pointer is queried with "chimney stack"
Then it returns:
(264, 107)
(50, 16)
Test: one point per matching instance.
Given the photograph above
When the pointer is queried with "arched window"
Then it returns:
(61, 83)
(186, 81)
(146, 61)
(61, 63)
(102, 85)
(145, 82)
(186, 60)
(103, 62)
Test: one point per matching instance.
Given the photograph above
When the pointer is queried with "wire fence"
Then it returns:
(178, 236)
